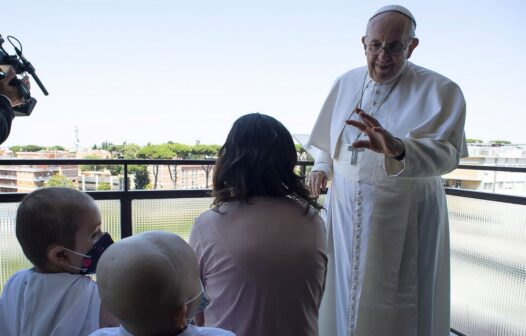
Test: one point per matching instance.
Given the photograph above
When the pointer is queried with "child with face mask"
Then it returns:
(59, 230)
(150, 282)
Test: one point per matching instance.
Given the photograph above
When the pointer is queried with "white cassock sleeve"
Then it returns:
(320, 136)
(434, 147)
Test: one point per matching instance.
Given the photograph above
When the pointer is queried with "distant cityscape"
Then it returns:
(26, 178)
(492, 154)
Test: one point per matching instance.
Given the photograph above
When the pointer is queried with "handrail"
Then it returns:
(486, 196)
(106, 161)
(493, 168)
(198, 162)
(456, 332)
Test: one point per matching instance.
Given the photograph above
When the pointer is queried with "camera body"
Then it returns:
(21, 66)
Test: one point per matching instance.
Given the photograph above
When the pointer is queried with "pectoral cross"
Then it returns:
(354, 155)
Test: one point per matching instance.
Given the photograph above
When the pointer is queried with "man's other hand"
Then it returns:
(316, 181)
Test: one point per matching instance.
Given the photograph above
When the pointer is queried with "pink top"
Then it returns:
(263, 266)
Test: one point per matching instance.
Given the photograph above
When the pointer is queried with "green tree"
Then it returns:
(142, 178)
(115, 170)
(16, 148)
(202, 151)
(28, 148)
(156, 152)
(59, 181)
(124, 151)
(57, 147)
(129, 151)
(104, 186)
(106, 145)
(474, 141)
(500, 142)
(32, 148)
(180, 151)
(91, 167)
(303, 155)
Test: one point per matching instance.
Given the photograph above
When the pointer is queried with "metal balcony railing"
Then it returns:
(488, 238)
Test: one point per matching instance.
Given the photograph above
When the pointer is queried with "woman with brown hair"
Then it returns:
(261, 249)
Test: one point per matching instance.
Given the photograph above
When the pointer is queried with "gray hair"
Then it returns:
(412, 29)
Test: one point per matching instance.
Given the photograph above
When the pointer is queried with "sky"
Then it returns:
(159, 70)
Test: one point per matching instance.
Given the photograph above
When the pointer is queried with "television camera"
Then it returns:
(21, 66)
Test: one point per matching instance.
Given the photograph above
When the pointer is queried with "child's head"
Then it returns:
(54, 223)
(150, 282)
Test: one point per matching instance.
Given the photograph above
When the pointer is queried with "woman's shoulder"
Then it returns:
(260, 207)
(207, 220)
(300, 207)
(213, 214)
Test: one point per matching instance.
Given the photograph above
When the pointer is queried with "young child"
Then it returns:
(59, 230)
(150, 282)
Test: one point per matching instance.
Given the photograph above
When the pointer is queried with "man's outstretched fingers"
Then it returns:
(369, 120)
(358, 124)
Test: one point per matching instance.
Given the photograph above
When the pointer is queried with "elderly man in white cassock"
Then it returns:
(385, 135)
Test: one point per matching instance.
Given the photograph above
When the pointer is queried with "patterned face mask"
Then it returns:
(91, 258)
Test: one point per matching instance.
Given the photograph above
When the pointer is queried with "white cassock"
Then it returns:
(53, 304)
(387, 220)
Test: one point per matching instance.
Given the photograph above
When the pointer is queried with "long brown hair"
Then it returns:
(258, 159)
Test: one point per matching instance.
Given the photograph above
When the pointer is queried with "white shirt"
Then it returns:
(54, 304)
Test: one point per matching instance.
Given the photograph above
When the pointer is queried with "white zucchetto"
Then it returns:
(395, 8)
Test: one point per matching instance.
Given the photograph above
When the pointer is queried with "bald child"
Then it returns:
(150, 283)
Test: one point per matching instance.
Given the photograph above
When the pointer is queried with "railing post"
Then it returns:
(126, 178)
(126, 217)
(126, 208)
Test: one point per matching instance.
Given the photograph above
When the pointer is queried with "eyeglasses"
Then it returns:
(392, 48)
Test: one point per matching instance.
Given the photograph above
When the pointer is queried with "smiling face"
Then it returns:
(388, 29)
